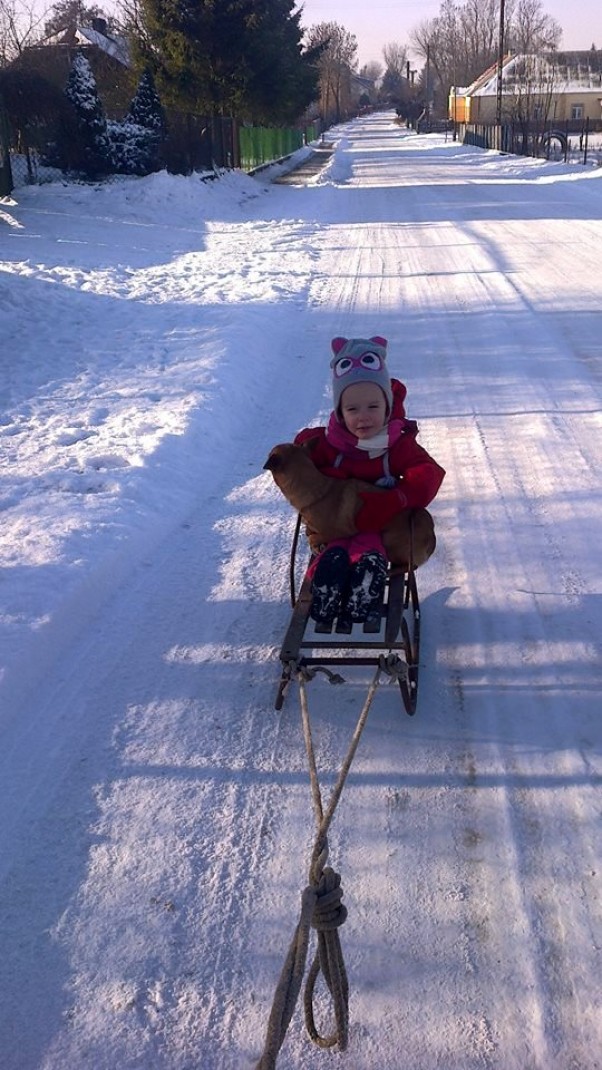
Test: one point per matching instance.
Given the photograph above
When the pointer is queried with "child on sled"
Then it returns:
(368, 437)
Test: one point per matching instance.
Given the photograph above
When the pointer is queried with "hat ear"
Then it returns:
(337, 344)
(379, 341)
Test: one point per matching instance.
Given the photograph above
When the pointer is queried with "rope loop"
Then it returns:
(321, 907)
(328, 915)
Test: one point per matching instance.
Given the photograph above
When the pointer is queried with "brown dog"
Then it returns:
(329, 506)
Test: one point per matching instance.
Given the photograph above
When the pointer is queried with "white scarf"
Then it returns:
(376, 445)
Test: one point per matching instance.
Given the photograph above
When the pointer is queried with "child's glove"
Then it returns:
(379, 508)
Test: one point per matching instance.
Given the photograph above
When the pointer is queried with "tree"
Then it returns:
(136, 140)
(20, 26)
(372, 70)
(457, 45)
(35, 109)
(337, 60)
(462, 41)
(529, 84)
(396, 58)
(282, 75)
(145, 108)
(394, 81)
(65, 13)
(87, 148)
(225, 57)
(531, 30)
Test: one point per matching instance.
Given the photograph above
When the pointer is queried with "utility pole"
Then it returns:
(455, 98)
(500, 71)
(428, 77)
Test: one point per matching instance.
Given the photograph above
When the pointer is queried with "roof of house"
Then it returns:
(483, 79)
(72, 36)
(566, 72)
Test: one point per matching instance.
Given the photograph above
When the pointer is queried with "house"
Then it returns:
(561, 87)
(108, 55)
(460, 97)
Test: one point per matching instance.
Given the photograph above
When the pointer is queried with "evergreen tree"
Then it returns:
(89, 148)
(145, 108)
(136, 141)
(193, 48)
(283, 77)
(227, 57)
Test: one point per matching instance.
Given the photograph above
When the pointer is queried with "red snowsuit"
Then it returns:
(419, 476)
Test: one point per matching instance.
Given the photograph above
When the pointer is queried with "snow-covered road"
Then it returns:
(158, 337)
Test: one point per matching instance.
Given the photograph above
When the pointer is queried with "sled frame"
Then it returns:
(395, 632)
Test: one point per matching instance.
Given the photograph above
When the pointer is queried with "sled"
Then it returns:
(389, 638)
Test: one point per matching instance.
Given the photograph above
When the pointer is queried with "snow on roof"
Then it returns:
(567, 72)
(116, 47)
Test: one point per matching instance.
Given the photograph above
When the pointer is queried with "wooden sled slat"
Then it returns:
(392, 629)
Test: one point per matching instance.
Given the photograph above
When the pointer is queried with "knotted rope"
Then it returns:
(394, 667)
(321, 908)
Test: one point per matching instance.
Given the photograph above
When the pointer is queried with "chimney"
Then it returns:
(100, 25)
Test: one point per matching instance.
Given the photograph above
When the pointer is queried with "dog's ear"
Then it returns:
(309, 445)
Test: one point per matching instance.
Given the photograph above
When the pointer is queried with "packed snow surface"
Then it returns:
(158, 336)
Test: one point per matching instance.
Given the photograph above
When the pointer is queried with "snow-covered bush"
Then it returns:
(85, 145)
(134, 148)
(136, 140)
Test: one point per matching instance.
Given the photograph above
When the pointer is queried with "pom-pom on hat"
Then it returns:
(359, 360)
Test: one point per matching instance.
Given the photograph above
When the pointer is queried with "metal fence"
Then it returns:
(192, 143)
(260, 145)
(570, 141)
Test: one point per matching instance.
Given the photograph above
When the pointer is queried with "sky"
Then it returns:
(158, 336)
(376, 24)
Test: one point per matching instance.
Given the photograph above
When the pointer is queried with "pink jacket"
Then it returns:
(418, 474)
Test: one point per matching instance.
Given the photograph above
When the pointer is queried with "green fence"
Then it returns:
(260, 145)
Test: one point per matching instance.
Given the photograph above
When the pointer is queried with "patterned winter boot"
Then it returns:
(366, 586)
(328, 584)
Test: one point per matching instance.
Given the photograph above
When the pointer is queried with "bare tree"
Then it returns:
(394, 86)
(372, 70)
(473, 28)
(26, 22)
(396, 57)
(337, 62)
(529, 84)
(531, 30)
(21, 23)
(431, 41)
(462, 41)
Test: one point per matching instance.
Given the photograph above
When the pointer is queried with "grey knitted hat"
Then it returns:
(359, 360)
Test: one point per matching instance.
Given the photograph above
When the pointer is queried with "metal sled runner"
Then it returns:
(391, 641)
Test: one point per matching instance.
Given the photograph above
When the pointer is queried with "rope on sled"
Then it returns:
(321, 909)
(394, 667)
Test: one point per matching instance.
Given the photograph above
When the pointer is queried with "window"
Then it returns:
(576, 111)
